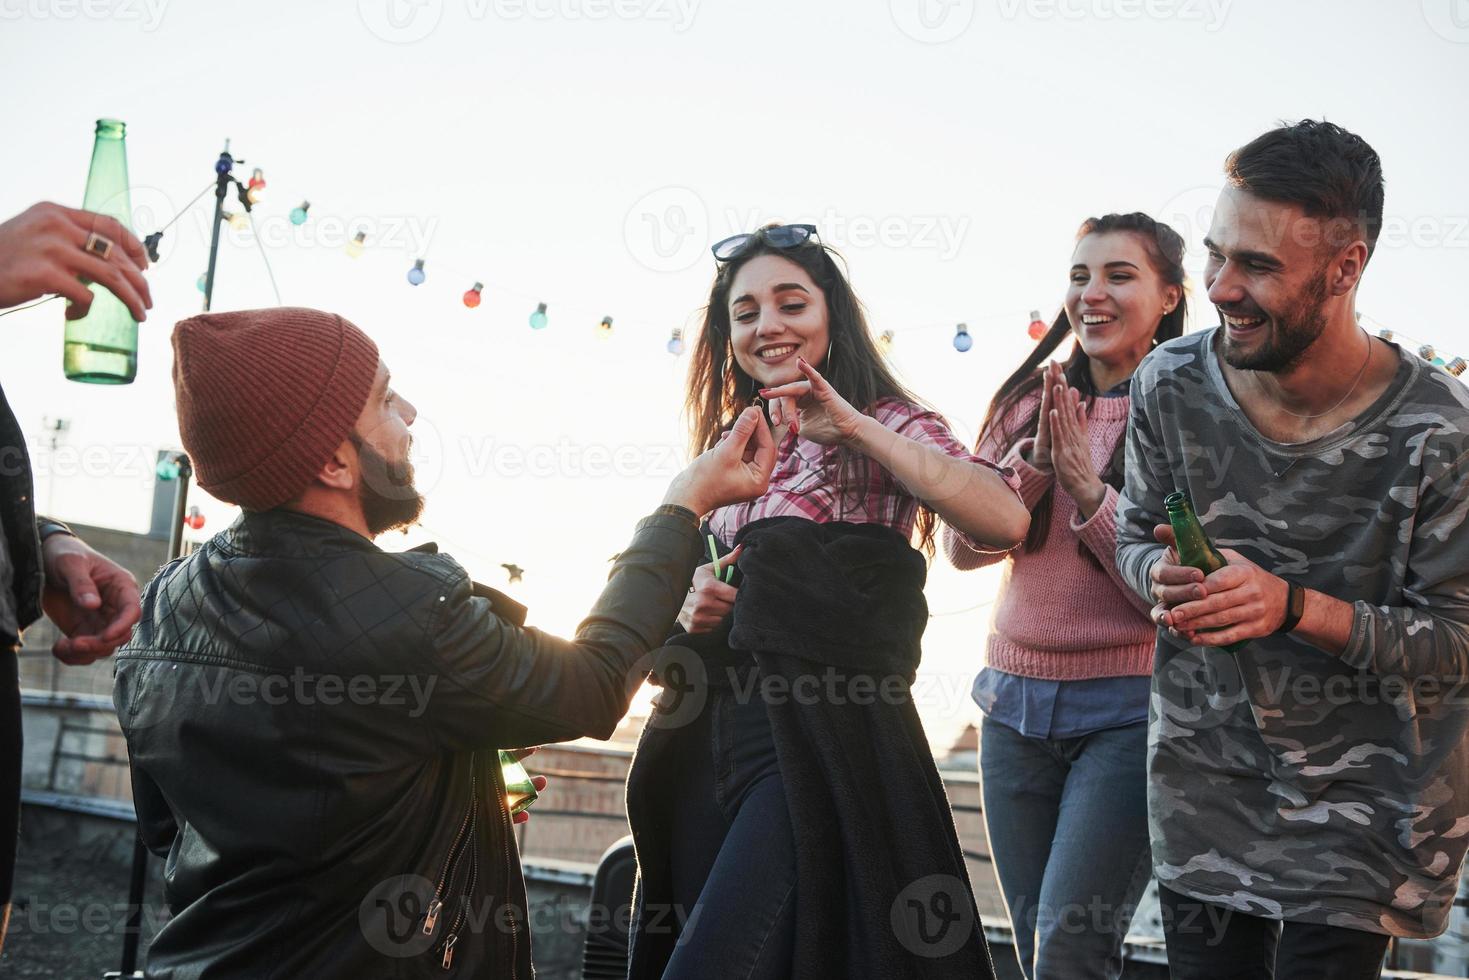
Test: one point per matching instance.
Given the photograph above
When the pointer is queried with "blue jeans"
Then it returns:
(1067, 821)
(734, 857)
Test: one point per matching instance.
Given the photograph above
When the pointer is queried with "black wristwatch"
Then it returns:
(1295, 607)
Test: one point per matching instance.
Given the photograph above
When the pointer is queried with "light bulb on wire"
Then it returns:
(1430, 355)
(354, 247)
(238, 220)
(962, 340)
(416, 274)
(202, 282)
(472, 296)
(604, 329)
(675, 342)
(255, 189)
(1038, 327)
(195, 518)
(538, 318)
(298, 214)
(885, 341)
(1455, 367)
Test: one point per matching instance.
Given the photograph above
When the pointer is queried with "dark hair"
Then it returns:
(718, 389)
(1165, 248)
(1327, 171)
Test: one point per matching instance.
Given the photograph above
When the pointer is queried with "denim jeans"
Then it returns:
(1067, 821)
(1212, 942)
(734, 857)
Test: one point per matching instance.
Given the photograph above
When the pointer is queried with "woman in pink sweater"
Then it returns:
(1065, 685)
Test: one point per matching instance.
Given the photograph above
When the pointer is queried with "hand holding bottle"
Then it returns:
(43, 250)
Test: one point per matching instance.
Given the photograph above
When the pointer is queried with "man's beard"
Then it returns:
(389, 498)
(1293, 331)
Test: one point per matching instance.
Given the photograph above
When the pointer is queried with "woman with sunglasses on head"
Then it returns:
(786, 810)
(1065, 687)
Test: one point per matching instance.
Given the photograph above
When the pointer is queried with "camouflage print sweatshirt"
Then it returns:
(1285, 781)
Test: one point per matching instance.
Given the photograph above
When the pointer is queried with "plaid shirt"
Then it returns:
(805, 480)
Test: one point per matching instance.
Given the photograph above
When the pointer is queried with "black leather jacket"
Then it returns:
(312, 724)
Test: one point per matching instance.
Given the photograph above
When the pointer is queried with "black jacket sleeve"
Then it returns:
(497, 684)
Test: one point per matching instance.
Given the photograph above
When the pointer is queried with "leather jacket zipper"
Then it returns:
(436, 904)
(453, 937)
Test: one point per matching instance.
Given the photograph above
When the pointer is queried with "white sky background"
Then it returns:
(585, 155)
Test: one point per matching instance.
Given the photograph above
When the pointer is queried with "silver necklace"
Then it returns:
(1342, 401)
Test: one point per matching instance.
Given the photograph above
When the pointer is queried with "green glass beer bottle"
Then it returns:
(1192, 544)
(102, 347)
(520, 792)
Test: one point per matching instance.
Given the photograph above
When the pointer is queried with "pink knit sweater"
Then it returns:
(1059, 616)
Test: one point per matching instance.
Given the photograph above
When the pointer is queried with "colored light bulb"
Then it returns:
(202, 282)
(1038, 326)
(604, 329)
(256, 186)
(1455, 367)
(238, 220)
(962, 340)
(195, 519)
(675, 342)
(168, 469)
(416, 274)
(354, 247)
(885, 341)
(298, 215)
(538, 318)
(472, 296)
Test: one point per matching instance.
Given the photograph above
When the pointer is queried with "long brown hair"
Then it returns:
(718, 389)
(1165, 248)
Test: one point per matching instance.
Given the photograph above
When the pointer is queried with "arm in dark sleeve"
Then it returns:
(497, 684)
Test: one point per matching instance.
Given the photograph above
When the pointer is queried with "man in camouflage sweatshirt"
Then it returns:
(1308, 793)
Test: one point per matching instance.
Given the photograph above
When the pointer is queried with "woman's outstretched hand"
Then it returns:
(814, 409)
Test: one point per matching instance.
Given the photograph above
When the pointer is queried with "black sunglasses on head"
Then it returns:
(778, 236)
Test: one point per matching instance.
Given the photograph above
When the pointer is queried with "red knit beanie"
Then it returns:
(266, 396)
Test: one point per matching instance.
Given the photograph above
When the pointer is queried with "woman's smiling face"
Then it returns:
(776, 314)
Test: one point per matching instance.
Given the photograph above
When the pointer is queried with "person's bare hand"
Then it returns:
(1040, 451)
(539, 782)
(813, 408)
(1173, 583)
(90, 597)
(736, 470)
(42, 250)
(710, 600)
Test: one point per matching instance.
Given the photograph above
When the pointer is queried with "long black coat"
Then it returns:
(882, 891)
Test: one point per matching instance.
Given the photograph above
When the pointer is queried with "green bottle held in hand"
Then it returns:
(1192, 544)
(520, 792)
(102, 347)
